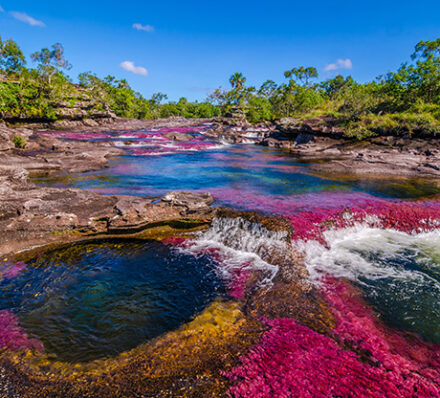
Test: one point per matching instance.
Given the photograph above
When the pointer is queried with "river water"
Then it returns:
(396, 264)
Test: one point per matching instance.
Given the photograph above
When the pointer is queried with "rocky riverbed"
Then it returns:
(31, 215)
(289, 323)
(321, 141)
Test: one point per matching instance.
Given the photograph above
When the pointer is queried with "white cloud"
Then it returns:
(23, 17)
(146, 28)
(340, 64)
(2, 9)
(131, 67)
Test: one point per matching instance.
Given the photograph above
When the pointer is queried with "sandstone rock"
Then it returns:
(176, 136)
(191, 202)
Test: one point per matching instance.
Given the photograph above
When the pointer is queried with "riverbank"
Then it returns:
(324, 143)
(320, 141)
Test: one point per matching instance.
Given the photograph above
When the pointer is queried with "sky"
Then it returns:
(189, 48)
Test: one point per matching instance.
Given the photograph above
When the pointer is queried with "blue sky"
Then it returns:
(189, 48)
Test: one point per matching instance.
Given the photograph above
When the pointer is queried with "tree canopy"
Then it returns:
(404, 101)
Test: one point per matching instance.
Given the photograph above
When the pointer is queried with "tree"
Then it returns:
(12, 59)
(237, 80)
(333, 87)
(157, 98)
(268, 89)
(302, 74)
(51, 61)
(219, 97)
(419, 81)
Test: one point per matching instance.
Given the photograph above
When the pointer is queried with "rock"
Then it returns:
(32, 215)
(304, 138)
(432, 166)
(192, 202)
(177, 136)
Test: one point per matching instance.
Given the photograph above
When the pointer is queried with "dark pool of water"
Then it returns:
(399, 273)
(96, 300)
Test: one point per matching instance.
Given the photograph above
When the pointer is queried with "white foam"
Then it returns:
(239, 245)
(345, 252)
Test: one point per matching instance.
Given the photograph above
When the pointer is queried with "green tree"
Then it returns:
(12, 59)
(333, 87)
(237, 80)
(418, 81)
(158, 98)
(51, 61)
(268, 89)
(302, 75)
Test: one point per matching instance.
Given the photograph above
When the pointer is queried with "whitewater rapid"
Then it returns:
(365, 251)
(398, 272)
(238, 245)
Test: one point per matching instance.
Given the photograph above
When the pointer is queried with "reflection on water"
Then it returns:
(99, 299)
(245, 168)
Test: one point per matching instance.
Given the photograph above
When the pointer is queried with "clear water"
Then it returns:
(244, 168)
(98, 299)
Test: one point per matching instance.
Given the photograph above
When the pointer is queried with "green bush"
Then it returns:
(19, 142)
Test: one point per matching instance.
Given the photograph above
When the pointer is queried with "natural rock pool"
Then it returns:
(96, 300)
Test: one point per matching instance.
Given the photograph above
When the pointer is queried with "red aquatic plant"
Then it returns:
(403, 216)
(237, 284)
(364, 358)
(12, 336)
(10, 271)
(174, 241)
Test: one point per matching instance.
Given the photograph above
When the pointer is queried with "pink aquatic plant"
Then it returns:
(400, 215)
(12, 336)
(312, 214)
(196, 145)
(237, 284)
(364, 358)
(174, 241)
(144, 135)
(10, 271)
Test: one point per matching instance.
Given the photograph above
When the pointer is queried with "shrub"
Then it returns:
(19, 142)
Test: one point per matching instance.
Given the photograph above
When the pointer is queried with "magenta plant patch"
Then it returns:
(9, 271)
(363, 358)
(12, 336)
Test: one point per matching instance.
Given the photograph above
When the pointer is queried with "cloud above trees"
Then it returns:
(339, 64)
(23, 17)
(145, 28)
(131, 67)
